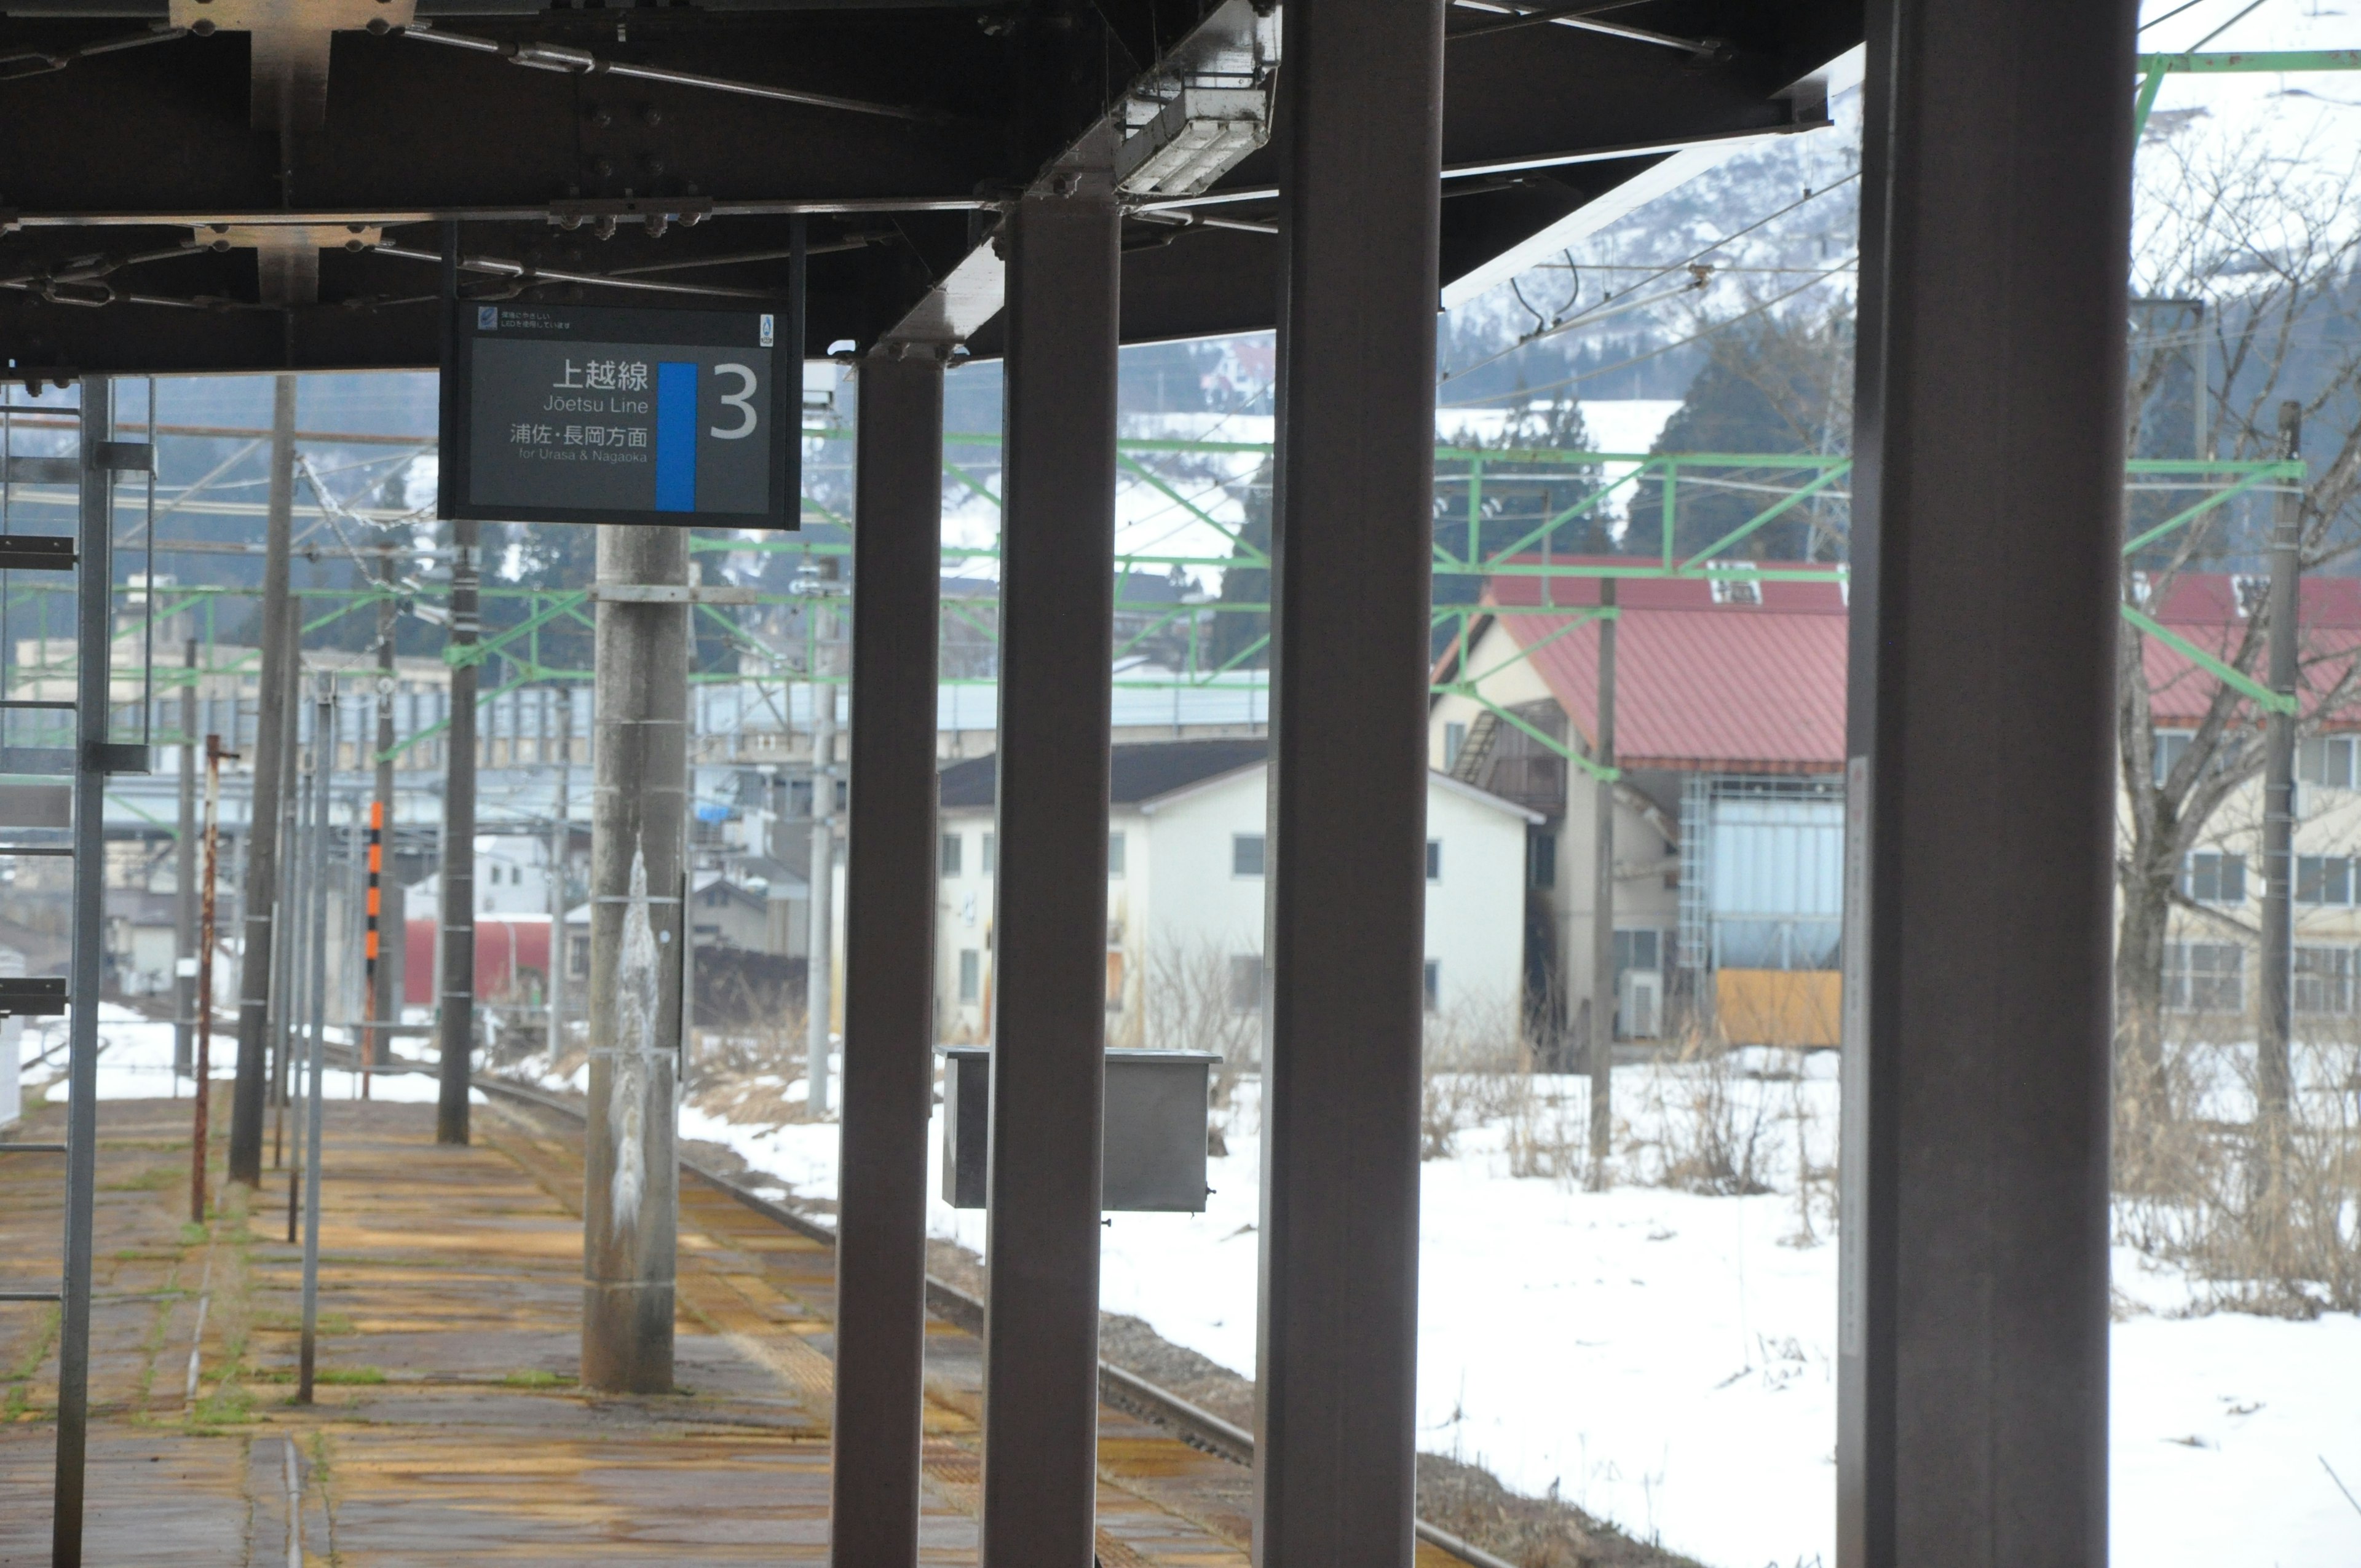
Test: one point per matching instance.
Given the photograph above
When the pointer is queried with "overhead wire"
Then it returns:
(1599, 311)
(1707, 331)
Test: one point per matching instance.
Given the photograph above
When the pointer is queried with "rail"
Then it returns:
(1127, 1391)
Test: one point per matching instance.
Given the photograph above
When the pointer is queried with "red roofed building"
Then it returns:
(1730, 721)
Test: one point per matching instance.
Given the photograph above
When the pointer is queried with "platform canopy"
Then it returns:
(217, 185)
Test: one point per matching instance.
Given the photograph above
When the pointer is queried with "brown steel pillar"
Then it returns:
(1361, 114)
(889, 923)
(1972, 1312)
(638, 815)
(1040, 1458)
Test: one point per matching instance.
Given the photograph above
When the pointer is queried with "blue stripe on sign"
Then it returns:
(676, 435)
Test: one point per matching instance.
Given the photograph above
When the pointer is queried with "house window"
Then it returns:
(2204, 977)
(991, 851)
(1434, 859)
(970, 979)
(2324, 980)
(1115, 853)
(2213, 878)
(951, 854)
(1246, 854)
(1433, 978)
(1245, 983)
(2172, 745)
(1638, 950)
(577, 955)
(2327, 761)
(1541, 860)
(2323, 878)
(1454, 736)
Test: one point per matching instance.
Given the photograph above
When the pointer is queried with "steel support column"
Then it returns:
(639, 815)
(260, 881)
(1972, 1316)
(94, 658)
(889, 950)
(1361, 114)
(1042, 1376)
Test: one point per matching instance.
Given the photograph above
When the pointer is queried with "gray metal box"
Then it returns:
(1152, 1144)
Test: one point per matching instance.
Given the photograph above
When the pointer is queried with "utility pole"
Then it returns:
(820, 906)
(184, 879)
(2273, 1078)
(560, 842)
(1602, 898)
(205, 939)
(262, 825)
(307, 864)
(457, 1020)
(638, 925)
(288, 928)
(384, 1006)
(323, 762)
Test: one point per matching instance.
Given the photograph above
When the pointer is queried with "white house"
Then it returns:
(1186, 858)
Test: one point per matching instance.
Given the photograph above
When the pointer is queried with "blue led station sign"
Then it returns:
(580, 413)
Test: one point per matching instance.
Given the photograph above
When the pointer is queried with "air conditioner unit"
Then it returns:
(1640, 1004)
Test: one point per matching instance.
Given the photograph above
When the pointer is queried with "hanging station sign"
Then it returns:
(582, 413)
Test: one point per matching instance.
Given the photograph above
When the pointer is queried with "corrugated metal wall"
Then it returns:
(1777, 857)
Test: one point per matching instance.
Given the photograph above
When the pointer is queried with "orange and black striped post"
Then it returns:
(370, 943)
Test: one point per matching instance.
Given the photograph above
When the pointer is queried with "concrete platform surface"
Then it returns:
(448, 1427)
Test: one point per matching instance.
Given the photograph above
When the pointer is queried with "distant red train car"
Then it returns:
(512, 960)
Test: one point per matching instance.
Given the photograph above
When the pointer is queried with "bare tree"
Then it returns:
(2251, 257)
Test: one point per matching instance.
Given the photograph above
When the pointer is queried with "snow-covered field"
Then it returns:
(1666, 1359)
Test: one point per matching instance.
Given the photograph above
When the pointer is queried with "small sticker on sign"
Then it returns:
(766, 332)
(487, 318)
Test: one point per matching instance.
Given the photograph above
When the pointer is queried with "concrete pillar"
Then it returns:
(456, 1017)
(1041, 1376)
(880, 1250)
(1980, 792)
(261, 876)
(639, 815)
(1362, 107)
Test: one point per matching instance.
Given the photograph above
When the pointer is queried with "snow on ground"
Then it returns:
(1666, 1359)
(1661, 1358)
(135, 1062)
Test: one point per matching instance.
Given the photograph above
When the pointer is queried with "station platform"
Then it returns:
(447, 1424)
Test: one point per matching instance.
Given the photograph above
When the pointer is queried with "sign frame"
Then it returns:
(636, 325)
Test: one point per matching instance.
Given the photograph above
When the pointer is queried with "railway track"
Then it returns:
(1119, 1388)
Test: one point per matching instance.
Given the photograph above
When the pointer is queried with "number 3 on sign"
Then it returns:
(743, 400)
